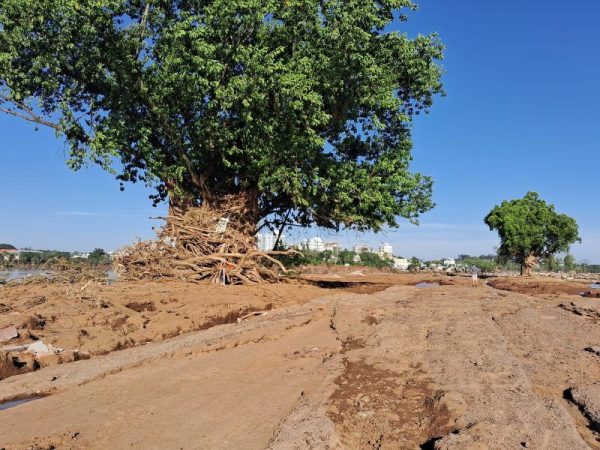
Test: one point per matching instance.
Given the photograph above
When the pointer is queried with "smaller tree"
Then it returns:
(346, 257)
(552, 263)
(569, 262)
(486, 266)
(415, 264)
(530, 229)
(98, 256)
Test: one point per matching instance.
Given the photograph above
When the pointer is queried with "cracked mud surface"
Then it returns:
(449, 367)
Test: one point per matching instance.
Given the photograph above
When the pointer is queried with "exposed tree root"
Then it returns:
(215, 244)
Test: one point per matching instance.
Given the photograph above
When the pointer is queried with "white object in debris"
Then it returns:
(222, 225)
(38, 348)
(170, 241)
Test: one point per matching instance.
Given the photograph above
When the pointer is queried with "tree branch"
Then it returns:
(26, 113)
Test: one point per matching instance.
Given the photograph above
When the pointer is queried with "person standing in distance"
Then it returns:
(475, 275)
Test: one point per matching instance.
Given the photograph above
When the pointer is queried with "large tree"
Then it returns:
(530, 229)
(302, 107)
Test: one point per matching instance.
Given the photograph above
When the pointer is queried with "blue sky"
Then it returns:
(523, 83)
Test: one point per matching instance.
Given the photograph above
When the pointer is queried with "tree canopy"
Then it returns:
(305, 106)
(98, 256)
(531, 229)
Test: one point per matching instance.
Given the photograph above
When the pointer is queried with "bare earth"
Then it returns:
(343, 364)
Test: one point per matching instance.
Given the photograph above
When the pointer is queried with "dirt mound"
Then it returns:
(539, 286)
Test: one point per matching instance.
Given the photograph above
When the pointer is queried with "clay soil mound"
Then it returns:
(540, 286)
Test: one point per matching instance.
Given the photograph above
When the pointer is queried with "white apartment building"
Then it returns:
(401, 263)
(332, 247)
(386, 251)
(315, 244)
(266, 242)
(449, 262)
(361, 248)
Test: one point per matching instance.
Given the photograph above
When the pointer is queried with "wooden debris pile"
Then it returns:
(203, 244)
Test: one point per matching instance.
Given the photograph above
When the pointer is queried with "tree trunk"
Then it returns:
(529, 263)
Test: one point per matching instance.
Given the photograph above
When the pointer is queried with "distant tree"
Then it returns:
(98, 256)
(370, 259)
(346, 257)
(569, 262)
(415, 264)
(486, 266)
(7, 247)
(552, 263)
(530, 230)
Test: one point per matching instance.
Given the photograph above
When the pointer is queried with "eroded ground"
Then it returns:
(402, 368)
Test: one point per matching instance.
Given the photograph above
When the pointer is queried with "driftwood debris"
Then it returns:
(214, 244)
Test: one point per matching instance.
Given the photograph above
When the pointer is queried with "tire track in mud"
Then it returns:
(374, 406)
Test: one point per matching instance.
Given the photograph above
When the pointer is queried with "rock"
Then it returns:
(593, 349)
(588, 399)
(9, 333)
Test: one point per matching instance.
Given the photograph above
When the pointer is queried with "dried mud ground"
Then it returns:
(369, 362)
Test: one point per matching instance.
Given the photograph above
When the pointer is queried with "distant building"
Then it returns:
(80, 256)
(361, 248)
(315, 244)
(356, 258)
(449, 262)
(386, 251)
(332, 247)
(401, 263)
(266, 242)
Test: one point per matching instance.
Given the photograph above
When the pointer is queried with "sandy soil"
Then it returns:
(90, 319)
(446, 367)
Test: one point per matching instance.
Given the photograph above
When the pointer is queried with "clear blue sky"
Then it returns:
(523, 83)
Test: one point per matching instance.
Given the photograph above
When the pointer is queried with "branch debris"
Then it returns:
(192, 246)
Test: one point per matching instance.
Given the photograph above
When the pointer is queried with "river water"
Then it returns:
(17, 274)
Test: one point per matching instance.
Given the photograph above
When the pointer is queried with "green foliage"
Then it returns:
(7, 247)
(307, 257)
(346, 257)
(486, 266)
(415, 264)
(552, 263)
(530, 228)
(569, 262)
(305, 106)
(486, 263)
(98, 256)
(369, 259)
(41, 257)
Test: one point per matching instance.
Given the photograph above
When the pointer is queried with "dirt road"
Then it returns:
(441, 367)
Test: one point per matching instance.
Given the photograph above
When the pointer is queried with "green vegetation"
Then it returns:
(415, 264)
(7, 247)
(531, 230)
(98, 256)
(303, 109)
(569, 262)
(34, 258)
(344, 257)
